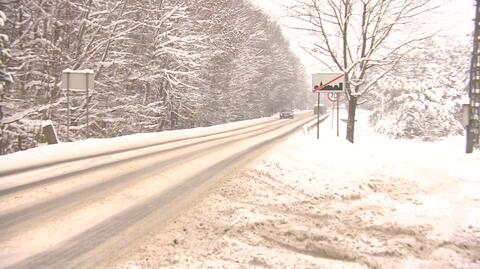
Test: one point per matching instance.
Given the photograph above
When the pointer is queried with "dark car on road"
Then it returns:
(286, 114)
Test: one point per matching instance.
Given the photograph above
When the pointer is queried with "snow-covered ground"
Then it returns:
(379, 203)
(88, 147)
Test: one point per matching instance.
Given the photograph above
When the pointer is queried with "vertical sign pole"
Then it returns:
(338, 115)
(68, 106)
(333, 114)
(86, 101)
(318, 115)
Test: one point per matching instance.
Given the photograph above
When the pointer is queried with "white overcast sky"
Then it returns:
(455, 20)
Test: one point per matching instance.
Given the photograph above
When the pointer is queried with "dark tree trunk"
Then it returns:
(352, 107)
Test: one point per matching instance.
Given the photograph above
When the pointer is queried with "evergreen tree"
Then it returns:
(422, 96)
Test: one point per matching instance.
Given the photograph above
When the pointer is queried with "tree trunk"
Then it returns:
(352, 107)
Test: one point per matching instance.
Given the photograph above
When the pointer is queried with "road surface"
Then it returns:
(84, 212)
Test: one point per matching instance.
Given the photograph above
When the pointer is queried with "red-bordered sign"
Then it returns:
(332, 96)
(328, 82)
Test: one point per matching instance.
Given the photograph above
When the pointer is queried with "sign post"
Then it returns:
(318, 115)
(333, 113)
(338, 117)
(86, 99)
(77, 80)
(334, 98)
(331, 83)
(68, 105)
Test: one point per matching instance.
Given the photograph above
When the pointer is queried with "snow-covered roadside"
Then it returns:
(379, 203)
(88, 147)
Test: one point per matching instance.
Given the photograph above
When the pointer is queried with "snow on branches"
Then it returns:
(159, 65)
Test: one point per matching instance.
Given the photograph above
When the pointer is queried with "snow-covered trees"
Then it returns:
(421, 97)
(354, 36)
(5, 77)
(159, 64)
(4, 52)
(251, 72)
(153, 63)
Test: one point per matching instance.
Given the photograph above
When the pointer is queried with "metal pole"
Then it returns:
(338, 115)
(318, 115)
(68, 106)
(333, 114)
(87, 101)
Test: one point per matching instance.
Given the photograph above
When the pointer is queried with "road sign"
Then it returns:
(332, 96)
(77, 79)
(328, 82)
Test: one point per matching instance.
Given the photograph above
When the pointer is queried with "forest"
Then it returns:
(159, 65)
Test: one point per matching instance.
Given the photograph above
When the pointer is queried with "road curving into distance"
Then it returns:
(87, 211)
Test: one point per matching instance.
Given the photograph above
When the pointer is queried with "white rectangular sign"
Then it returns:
(77, 79)
(328, 82)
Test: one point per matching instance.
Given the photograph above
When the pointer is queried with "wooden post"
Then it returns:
(50, 133)
(19, 142)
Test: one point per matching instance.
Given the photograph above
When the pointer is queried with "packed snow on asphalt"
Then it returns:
(308, 203)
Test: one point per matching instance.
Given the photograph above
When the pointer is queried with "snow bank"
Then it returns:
(78, 149)
(379, 203)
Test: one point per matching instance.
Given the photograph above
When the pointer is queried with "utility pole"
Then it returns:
(473, 127)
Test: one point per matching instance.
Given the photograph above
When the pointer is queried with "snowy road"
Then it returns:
(329, 204)
(90, 207)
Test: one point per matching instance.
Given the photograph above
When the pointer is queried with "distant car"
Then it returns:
(286, 114)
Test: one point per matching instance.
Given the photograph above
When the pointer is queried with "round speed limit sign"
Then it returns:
(332, 96)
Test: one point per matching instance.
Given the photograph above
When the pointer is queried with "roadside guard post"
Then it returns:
(77, 80)
(49, 132)
(331, 83)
